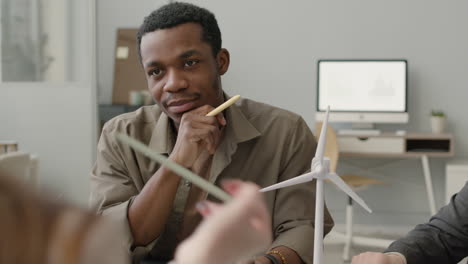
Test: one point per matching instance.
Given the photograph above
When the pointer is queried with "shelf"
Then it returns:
(398, 146)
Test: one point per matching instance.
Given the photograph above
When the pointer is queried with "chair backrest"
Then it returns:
(19, 165)
(332, 150)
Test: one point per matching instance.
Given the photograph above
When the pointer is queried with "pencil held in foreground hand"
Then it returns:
(181, 171)
(223, 106)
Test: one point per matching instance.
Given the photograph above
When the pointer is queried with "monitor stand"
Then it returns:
(361, 129)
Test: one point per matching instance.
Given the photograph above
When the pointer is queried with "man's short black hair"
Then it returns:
(176, 13)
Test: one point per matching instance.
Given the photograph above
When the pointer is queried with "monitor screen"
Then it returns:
(362, 85)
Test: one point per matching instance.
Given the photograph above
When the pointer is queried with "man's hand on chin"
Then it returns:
(197, 134)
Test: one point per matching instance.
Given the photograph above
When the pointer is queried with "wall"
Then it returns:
(57, 122)
(274, 47)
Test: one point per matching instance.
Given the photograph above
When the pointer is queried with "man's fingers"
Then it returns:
(206, 128)
(193, 122)
(210, 142)
(206, 134)
(202, 110)
(213, 138)
(221, 119)
(199, 115)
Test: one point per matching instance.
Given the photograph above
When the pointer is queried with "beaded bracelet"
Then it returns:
(276, 252)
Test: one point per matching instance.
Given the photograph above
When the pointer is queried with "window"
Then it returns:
(33, 39)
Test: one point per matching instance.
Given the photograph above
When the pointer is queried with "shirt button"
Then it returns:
(187, 183)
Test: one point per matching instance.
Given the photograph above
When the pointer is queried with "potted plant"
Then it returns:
(438, 121)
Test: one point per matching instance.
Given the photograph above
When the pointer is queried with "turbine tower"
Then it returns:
(320, 170)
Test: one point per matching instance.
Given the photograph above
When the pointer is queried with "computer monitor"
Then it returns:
(363, 91)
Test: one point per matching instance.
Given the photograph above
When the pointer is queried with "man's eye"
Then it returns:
(155, 72)
(190, 63)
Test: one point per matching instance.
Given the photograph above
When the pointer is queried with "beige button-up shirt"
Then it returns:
(261, 143)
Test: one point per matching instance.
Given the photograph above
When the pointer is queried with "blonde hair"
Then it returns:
(37, 229)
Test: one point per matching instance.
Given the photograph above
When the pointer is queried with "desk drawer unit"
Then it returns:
(393, 145)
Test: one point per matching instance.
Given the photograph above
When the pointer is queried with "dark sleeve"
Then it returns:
(443, 240)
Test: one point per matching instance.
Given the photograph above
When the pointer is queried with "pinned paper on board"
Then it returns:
(122, 53)
(128, 75)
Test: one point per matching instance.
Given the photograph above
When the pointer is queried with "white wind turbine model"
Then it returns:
(320, 170)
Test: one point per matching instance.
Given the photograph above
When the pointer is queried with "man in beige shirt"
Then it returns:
(180, 50)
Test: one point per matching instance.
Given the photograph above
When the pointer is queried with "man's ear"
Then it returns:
(222, 60)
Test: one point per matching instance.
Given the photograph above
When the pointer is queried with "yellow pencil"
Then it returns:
(223, 106)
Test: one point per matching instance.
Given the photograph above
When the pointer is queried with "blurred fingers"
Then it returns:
(206, 208)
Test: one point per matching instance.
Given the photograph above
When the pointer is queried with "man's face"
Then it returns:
(180, 69)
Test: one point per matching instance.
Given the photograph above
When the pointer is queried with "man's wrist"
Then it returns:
(173, 157)
(267, 259)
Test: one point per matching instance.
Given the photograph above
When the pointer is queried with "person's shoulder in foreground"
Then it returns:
(38, 229)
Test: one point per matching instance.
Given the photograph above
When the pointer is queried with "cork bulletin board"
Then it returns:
(128, 73)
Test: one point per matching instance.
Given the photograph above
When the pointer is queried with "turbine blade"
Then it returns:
(345, 188)
(323, 138)
(296, 180)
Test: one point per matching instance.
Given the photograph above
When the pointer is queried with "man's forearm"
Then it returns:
(150, 209)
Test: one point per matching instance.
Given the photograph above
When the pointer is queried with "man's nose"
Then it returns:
(176, 81)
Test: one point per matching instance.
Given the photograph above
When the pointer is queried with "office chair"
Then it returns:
(356, 183)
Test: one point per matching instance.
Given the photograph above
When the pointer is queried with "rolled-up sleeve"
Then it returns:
(294, 215)
(113, 189)
(298, 236)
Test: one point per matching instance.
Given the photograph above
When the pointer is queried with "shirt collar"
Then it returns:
(163, 137)
(239, 126)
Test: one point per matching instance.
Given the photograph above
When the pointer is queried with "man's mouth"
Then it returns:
(181, 106)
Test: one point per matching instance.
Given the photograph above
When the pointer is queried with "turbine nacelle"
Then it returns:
(320, 168)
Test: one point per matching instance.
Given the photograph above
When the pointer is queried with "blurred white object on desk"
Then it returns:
(20, 165)
(8, 146)
(135, 98)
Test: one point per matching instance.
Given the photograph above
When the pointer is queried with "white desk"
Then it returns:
(411, 145)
